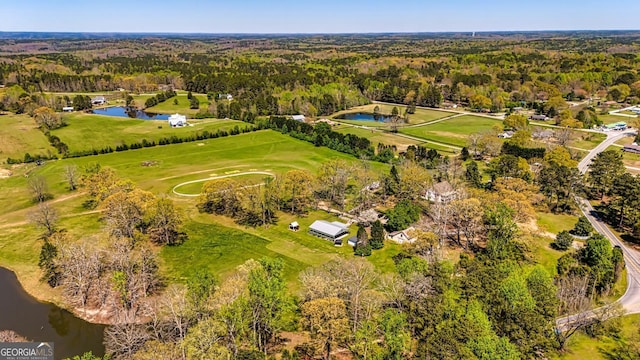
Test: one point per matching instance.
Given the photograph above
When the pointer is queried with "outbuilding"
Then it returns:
(294, 226)
(539, 117)
(98, 100)
(177, 120)
(633, 148)
(402, 237)
(329, 230)
(299, 118)
(67, 109)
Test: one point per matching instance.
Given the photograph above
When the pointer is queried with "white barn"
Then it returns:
(177, 120)
(329, 230)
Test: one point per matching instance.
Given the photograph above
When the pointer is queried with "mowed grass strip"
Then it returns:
(88, 131)
(376, 136)
(421, 115)
(454, 131)
(19, 135)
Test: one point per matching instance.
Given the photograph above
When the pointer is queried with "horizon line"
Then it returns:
(314, 33)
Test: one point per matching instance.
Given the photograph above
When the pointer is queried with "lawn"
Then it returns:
(183, 106)
(112, 131)
(555, 223)
(19, 135)
(453, 131)
(584, 347)
(588, 141)
(420, 116)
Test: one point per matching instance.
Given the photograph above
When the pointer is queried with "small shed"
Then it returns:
(299, 118)
(352, 241)
(294, 226)
(67, 109)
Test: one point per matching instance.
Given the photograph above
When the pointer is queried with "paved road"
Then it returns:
(630, 301)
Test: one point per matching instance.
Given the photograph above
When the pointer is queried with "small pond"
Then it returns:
(123, 111)
(45, 322)
(359, 116)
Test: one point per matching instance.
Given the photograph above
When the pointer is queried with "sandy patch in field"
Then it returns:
(4, 173)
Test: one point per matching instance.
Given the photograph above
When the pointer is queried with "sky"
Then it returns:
(319, 16)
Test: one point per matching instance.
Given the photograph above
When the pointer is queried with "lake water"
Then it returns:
(45, 322)
(359, 116)
(123, 111)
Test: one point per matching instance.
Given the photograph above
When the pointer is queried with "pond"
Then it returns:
(359, 116)
(123, 111)
(46, 322)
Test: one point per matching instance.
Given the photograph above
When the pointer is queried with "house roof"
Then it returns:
(632, 148)
(294, 224)
(98, 98)
(442, 187)
(615, 125)
(538, 117)
(298, 117)
(328, 228)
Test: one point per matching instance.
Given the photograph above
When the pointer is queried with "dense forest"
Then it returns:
(320, 75)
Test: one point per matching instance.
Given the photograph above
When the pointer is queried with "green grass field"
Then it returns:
(215, 242)
(183, 106)
(555, 223)
(18, 135)
(584, 347)
(112, 131)
(587, 141)
(453, 131)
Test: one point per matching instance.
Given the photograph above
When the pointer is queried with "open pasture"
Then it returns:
(88, 131)
(454, 131)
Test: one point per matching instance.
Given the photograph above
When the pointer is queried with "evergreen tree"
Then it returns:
(377, 235)
(362, 247)
(472, 175)
(47, 264)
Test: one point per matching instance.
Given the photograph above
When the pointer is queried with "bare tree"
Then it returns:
(355, 277)
(441, 213)
(81, 267)
(39, 189)
(164, 226)
(71, 176)
(45, 217)
(575, 302)
(10, 336)
(124, 339)
(563, 136)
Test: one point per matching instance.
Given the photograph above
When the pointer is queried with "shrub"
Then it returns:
(563, 241)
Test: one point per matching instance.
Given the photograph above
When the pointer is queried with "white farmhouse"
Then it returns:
(177, 120)
(441, 192)
(404, 236)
